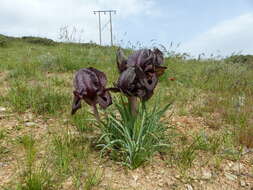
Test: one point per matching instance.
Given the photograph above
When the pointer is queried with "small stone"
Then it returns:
(30, 124)
(28, 117)
(237, 167)
(243, 183)
(188, 187)
(135, 177)
(228, 166)
(161, 183)
(206, 174)
(2, 109)
(68, 183)
(247, 150)
(177, 176)
(2, 164)
(230, 176)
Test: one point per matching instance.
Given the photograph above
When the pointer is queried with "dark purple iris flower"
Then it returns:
(139, 73)
(90, 85)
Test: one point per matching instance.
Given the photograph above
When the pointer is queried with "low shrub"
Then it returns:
(3, 41)
(240, 59)
(38, 40)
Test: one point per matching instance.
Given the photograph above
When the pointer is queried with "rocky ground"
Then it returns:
(159, 173)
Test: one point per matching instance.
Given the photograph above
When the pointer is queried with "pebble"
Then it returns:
(30, 124)
(68, 183)
(28, 117)
(228, 166)
(206, 174)
(237, 167)
(2, 164)
(230, 176)
(247, 150)
(2, 109)
(188, 187)
(177, 176)
(243, 183)
(161, 183)
(135, 177)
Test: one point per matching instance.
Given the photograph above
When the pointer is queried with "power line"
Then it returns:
(99, 23)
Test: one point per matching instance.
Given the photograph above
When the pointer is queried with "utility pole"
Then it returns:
(99, 22)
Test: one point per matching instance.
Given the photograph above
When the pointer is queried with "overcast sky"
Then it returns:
(221, 27)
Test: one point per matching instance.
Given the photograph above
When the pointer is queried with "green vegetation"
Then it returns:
(133, 139)
(39, 99)
(3, 41)
(38, 40)
(34, 175)
(212, 115)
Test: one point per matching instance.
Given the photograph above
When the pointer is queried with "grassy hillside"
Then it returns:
(209, 127)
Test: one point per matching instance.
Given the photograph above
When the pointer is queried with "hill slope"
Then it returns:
(210, 126)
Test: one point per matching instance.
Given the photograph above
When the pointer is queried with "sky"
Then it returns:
(218, 27)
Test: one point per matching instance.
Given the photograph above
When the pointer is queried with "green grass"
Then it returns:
(24, 71)
(39, 99)
(34, 175)
(2, 134)
(82, 121)
(70, 158)
(186, 157)
(66, 157)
